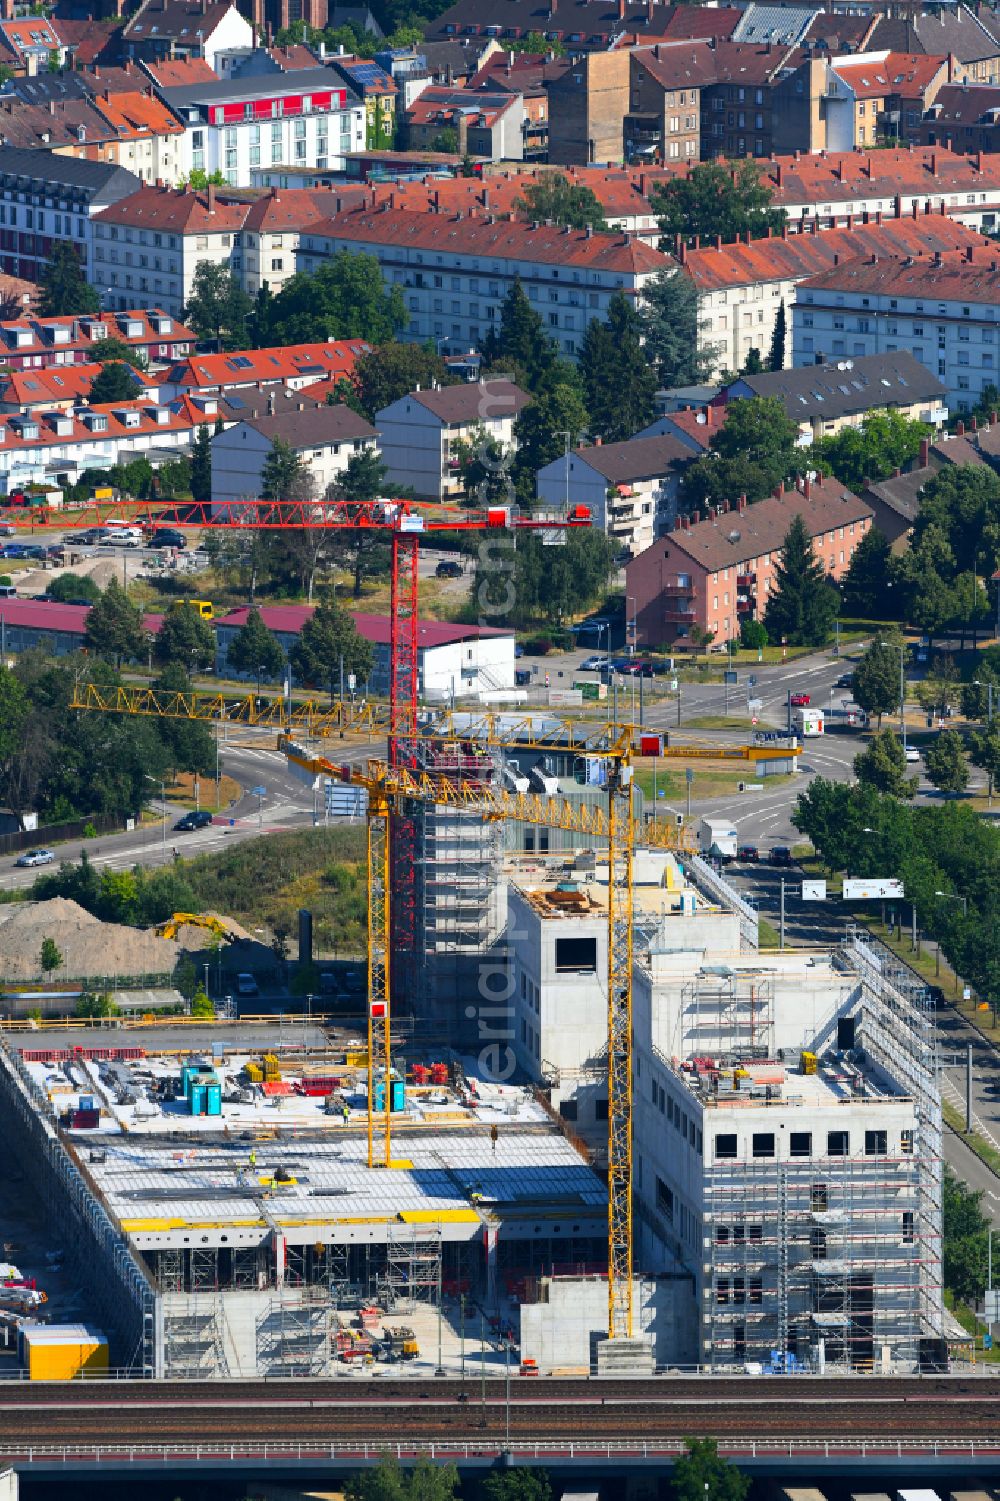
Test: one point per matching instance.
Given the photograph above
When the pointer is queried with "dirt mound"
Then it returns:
(89, 948)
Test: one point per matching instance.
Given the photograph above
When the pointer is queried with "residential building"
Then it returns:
(58, 447)
(271, 234)
(170, 29)
(371, 83)
(294, 365)
(587, 107)
(630, 488)
(823, 398)
(324, 438)
(588, 26)
(490, 125)
(941, 312)
(46, 198)
(742, 287)
(121, 126)
(419, 433)
(663, 120)
(526, 74)
(968, 36)
(714, 573)
(787, 1129)
(153, 241)
(895, 501)
(310, 117)
(59, 387)
(56, 629)
(881, 96)
(964, 117)
(450, 658)
(29, 44)
(37, 343)
(455, 270)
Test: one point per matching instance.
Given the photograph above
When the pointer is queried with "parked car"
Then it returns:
(592, 664)
(911, 754)
(800, 700)
(7, 529)
(448, 570)
(846, 680)
(781, 855)
(748, 853)
(246, 985)
(35, 857)
(85, 538)
(164, 537)
(192, 821)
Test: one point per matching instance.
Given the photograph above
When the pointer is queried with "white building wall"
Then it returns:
(461, 668)
(418, 447)
(317, 139)
(232, 32)
(240, 452)
(962, 348)
(634, 520)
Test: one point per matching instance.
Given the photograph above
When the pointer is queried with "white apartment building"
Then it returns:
(787, 1156)
(308, 118)
(419, 433)
(631, 488)
(943, 311)
(152, 242)
(271, 234)
(46, 198)
(324, 438)
(58, 447)
(454, 270)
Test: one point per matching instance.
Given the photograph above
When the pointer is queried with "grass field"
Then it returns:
(711, 779)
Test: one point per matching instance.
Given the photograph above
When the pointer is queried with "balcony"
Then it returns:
(746, 581)
(677, 587)
(679, 615)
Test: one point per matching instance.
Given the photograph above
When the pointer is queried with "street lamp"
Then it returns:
(953, 896)
(902, 693)
(163, 812)
(978, 683)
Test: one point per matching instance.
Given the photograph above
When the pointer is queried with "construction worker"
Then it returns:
(346, 1113)
(253, 1157)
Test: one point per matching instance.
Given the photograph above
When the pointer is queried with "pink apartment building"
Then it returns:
(717, 572)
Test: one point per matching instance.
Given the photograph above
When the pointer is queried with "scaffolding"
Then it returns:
(193, 1337)
(295, 1334)
(727, 1013)
(412, 1269)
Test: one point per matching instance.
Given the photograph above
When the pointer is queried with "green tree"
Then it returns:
(674, 333)
(884, 442)
(393, 370)
(876, 679)
(549, 583)
(50, 957)
(516, 1484)
(715, 198)
(960, 508)
(114, 382)
(67, 586)
(345, 299)
(521, 338)
(201, 465)
(484, 462)
(329, 644)
(753, 451)
(387, 1481)
(90, 1005)
(65, 290)
(619, 383)
(185, 638)
(218, 307)
(776, 355)
(975, 697)
(702, 1475)
(201, 1006)
(188, 745)
(540, 433)
(286, 476)
(945, 763)
(199, 179)
(865, 589)
(965, 1240)
(254, 649)
(802, 606)
(554, 197)
(114, 627)
(984, 751)
(882, 765)
(365, 552)
(103, 350)
(538, 44)
(446, 141)
(753, 635)
(753, 365)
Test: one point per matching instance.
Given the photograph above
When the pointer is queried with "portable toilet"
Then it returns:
(397, 1092)
(213, 1096)
(196, 1096)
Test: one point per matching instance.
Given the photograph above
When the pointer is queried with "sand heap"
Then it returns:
(89, 947)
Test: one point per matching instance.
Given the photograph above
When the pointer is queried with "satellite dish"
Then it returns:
(734, 536)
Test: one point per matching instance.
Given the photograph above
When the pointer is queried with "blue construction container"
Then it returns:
(213, 1097)
(397, 1093)
(196, 1097)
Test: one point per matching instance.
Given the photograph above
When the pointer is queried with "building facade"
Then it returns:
(419, 435)
(630, 488)
(324, 438)
(45, 199)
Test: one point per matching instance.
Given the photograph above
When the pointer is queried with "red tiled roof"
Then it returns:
(678, 64)
(473, 235)
(175, 73)
(957, 277)
(694, 21)
(791, 256)
(699, 423)
(33, 31)
(247, 366)
(896, 73)
(375, 628)
(178, 210)
(137, 114)
(289, 59)
(294, 208)
(440, 104)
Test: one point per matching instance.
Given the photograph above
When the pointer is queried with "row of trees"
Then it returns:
(698, 1475)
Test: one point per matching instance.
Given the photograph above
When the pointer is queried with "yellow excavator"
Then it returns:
(207, 920)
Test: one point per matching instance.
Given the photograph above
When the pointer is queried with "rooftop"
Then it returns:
(469, 401)
(882, 74)
(633, 459)
(845, 386)
(178, 210)
(312, 425)
(953, 278)
(280, 363)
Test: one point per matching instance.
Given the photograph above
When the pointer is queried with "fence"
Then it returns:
(101, 823)
(715, 886)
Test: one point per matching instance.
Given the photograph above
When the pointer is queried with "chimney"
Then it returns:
(270, 403)
(742, 504)
(597, 442)
(778, 491)
(925, 452)
(975, 424)
(211, 198)
(807, 487)
(678, 523)
(718, 242)
(960, 429)
(682, 253)
(968, 252)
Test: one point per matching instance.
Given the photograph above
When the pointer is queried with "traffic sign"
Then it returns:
(258, 791)
(689, 775)
(987, 1342)
(730, 677)
(993, 1305)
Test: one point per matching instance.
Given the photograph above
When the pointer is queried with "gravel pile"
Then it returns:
(88, 946)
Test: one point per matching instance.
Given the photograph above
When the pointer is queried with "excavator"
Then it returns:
(207, 920)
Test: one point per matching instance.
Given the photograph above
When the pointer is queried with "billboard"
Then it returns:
(871, 890)
(814, 891)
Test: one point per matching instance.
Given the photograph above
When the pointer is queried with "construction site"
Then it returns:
(250, 1206)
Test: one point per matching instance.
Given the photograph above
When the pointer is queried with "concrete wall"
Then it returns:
(587, 108)
(562, 1332)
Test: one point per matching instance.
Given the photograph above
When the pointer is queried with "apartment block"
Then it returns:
(630, 488)
(587, 107)
(715, 572)
(46, 198)
(419, 435)
(324, 438)
(942, 311)
(454, 270)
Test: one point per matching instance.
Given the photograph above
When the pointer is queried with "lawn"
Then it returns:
(181, 790)
(671, 781)
(719, 722)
